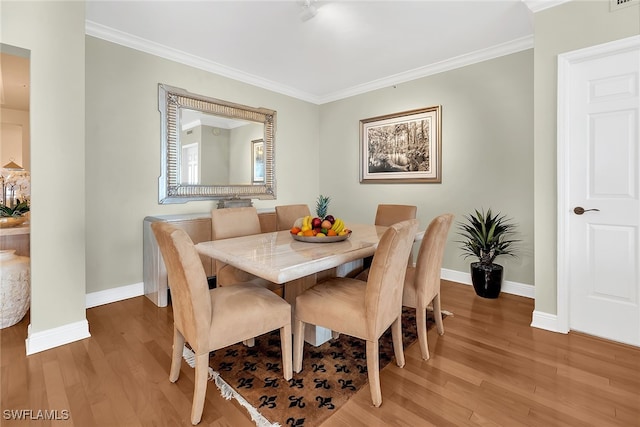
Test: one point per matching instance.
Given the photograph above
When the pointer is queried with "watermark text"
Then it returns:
(36, 414)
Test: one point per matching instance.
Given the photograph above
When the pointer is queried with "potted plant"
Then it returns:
(13, 216)
(487, 236)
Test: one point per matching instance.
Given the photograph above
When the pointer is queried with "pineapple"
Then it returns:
(322, 206)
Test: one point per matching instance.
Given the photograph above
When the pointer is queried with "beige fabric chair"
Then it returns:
(362, 309)
(286, 215)
(213, 319)
(422, 282)
(236, 222)
(387, 215)
(390, 214)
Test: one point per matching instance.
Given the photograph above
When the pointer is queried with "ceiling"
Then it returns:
(349, 47)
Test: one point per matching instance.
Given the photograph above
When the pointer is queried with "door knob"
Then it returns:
(579, 210)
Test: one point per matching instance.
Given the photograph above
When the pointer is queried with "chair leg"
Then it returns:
(396, 334)
(437, 313)
(373, 370)
(176, 355)
(298, 345)
(200, 388)
(285, 344)
(421, 326)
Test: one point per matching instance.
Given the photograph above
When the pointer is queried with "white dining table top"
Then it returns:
(277, 257)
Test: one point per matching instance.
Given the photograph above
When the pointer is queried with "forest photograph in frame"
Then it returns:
(402, 147)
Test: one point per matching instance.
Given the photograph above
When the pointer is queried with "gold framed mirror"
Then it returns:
(208, 148)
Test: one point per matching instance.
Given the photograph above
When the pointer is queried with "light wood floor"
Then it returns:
(490, 368)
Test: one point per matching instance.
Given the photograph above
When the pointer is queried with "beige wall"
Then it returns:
(570, 26)
(54, 33)
(487, 150)
(16, 118)
(123, 151)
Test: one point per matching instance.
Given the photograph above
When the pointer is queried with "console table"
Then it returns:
(198, 227)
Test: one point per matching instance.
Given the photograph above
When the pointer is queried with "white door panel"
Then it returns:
(603, 173)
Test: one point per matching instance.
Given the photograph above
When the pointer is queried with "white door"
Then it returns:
(602, 209)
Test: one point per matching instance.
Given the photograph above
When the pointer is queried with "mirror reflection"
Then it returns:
(213, 149)
(210, 144)
(15, 180)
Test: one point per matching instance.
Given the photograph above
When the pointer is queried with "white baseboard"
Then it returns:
(546, 321)
(108, 296)
(54, 337)
(50, 338)
(514, 288)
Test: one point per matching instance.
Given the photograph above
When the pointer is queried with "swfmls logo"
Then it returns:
(40, 414)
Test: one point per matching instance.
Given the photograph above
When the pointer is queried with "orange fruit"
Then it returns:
(308, 233)
(295, 230)
(331, 232)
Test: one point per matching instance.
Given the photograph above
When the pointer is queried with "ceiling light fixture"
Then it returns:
(308, 10)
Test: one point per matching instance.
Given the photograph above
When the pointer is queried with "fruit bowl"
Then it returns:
(318, 230)
(314, 239)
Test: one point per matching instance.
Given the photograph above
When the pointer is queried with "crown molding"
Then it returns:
(507, 48)
(134, 42)
(115, 36)
(538, 5)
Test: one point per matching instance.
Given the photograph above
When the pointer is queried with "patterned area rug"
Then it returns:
(331, 374)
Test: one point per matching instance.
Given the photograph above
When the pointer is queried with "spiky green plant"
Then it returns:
(322, 206)
(487, 236)
(20, 209)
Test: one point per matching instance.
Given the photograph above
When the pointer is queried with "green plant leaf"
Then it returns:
(486, 236)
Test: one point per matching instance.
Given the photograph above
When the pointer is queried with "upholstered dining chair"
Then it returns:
(422, 282)
(286, 215)
(235, 222)
(387, 215)
(212, 319)
(390, 214)
(360, 309)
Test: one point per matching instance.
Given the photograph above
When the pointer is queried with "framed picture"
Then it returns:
(402, 147)
(257, 161)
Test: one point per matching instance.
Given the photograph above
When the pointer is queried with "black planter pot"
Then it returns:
(486, 279)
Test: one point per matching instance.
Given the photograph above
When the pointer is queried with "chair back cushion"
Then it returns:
(234, 222)
(388, 215)
(286, 215)
(190, 297)
(426, 277)
(383, 297)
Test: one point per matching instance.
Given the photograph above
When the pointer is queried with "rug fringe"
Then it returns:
(228, 392)
(444, 312)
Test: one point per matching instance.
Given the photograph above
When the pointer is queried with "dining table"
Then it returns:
(298, 265)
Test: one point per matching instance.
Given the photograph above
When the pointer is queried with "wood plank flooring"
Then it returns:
(489, 369)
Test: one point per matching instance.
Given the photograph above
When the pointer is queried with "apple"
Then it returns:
(316, 222)
(326, 224)
(330, 218)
